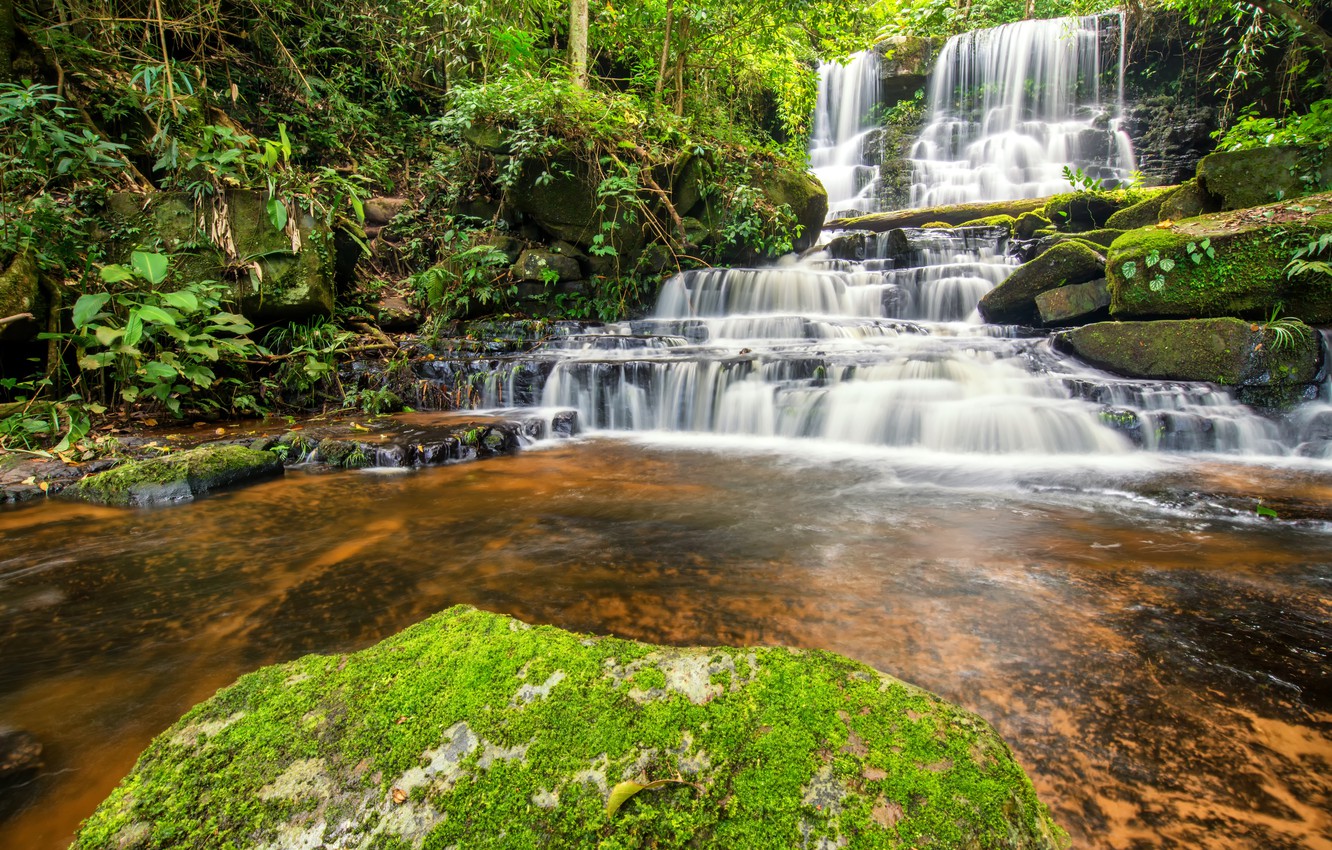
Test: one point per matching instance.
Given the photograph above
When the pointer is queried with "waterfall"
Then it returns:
(1011, 106)
(841, 151)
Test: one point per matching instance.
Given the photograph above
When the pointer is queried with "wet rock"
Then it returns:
(954, 214)
(459, 729)
(905, 63)
(538, 266)
(178, 477)
(1230, 352)
(1154, 273)
(1014, 300)
(393, 313)
(806, 197)
(1250, 178)
(21, 292)
(1074, 304)
(20, 752)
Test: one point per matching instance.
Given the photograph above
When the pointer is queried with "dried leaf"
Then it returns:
(45, 486)
(1165, 225)
(151, 423)
(220, 431)
(399, 796)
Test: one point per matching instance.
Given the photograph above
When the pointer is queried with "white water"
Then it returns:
(843, 123)
(1012, 106)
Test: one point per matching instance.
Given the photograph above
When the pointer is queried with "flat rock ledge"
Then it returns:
(178, 477)
(474, 730)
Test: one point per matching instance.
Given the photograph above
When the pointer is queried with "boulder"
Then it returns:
(476, 730)
(905, 62)
(509, 246)
(1168, 272)
(381, 211)
(1082, 210)
(1188, 201)
(538, 266)
(1269, 360)
(1250, 178)
(178, 477)
(393, 313)
(20, 293)
(487, 137)
(687, 187)
(1075, 304)
(806, 197)
(1014, 300)
(1141, 214)
(560, 197)
(954, 214)
(1028, 223)
(1005, 221)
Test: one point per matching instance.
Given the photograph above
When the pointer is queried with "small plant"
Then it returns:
(1286, 331)
(1083, 182)
(1304, 259)
(1197, 251)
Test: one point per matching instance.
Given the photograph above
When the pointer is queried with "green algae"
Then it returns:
(474, 730)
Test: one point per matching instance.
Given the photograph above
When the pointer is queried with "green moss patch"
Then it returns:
(953, 214)
(1014, 300)
(177, 477)
(475, 730)
(1153, 272)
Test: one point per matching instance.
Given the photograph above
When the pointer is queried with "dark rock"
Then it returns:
(1230, 352)
(687, 188)
(1028, 223)
(178, 477)
(1081, 210)
(20, 752)
(21, 292)
(393, 313)
(538, 266)
(1074, 304)
(381, 211)
(345, 454)
(1170, 135)
(1014, 300)
(506, 245)
(1250, 178)
(1188, 201)
(487, 137)
(905, 63)
(805, 195)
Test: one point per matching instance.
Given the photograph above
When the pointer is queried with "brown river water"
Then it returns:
(1159, 662)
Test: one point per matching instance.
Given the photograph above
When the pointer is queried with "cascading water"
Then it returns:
(875, 341)
(840, 151)
(1010, 107)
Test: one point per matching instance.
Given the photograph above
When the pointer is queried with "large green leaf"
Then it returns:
(186, 302)
(115, 273)
(88, 306)
(107, 336)
(157, 370)
(133, 329)
(151, 313)
(277, 213)
(151, 267)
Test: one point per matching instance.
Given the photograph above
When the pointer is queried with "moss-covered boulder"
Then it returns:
(20, 293)
(276, 275)
(1082, 210)
(806, 197)
(953, 214)
(546, 266)
(177, 477)
(1250, 178)
(475, 730)
(1277, 359)
(1005, 221)
(1014, 300)
(1028, 223)
(1141, 214)
(1225, 264)
(1188, 201)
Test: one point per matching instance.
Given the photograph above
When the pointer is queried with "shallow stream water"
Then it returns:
(1159, 662)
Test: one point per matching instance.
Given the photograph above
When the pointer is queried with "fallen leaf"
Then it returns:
(45, 486)
(30, 480)
(399, 796)
(356, 427)
(151, 423)
(622, 792)
(1165, 225)
(220, 431)
(401, 720)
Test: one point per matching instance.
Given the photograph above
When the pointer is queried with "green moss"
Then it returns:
(1029, 224)
(21, 292)
(1006, 221)
(500, 735)
(1014, 300)
(953, 214)
(345, 454)
(1250, 178)
(177, 477)
(1141, 214)
(1246, 276)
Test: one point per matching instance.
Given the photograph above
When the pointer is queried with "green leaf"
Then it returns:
(157, 370)
(133, 329)
(621, 793)
(277, 213)
(88, 306)
(286, 142)
(186, 302)
(115, 273)
(108, 336)
(1166, 264)
(151, 267)
(1153, 257)
(1129, 269)
(1264, 511)
(97, 361)
(1157, 284)
(151, 313)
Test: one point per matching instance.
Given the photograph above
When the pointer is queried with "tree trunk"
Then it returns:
(1031, 10)
(578, 41)
(682, 52)
(6, 40)
(665, 49)
(1309, 31)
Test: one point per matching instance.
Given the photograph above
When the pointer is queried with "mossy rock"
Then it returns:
(806, 197)
(1014, 300)
(937, 225)
(1005, 221)
(953, 214)
(1029, 224)
(178, 477)
(537, 265)
(1250, 178)
(1190, 200)
(475, 730)
(1074, 304)
(21, 292)
(1246, 277)
(1102, 237)
(345, 454)
(487, 137)
(1230, 352)
(1141, 214)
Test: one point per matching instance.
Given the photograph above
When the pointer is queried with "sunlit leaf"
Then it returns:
(186, 302)
(88, 306)
(151, 267)
(277, 213)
